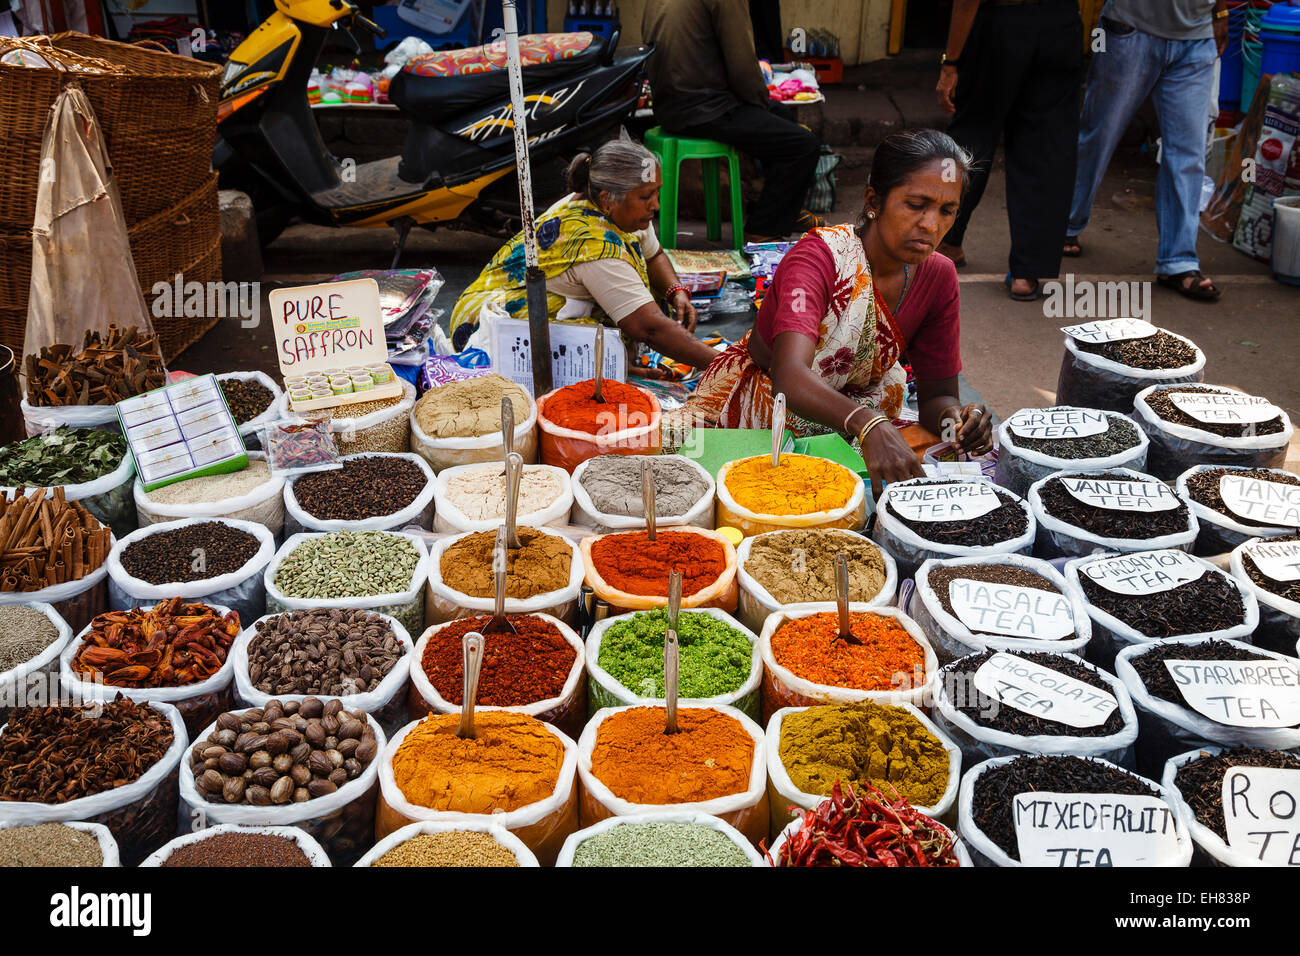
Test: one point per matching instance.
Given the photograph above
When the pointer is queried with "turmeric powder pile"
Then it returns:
(514, 761)
(800, 485)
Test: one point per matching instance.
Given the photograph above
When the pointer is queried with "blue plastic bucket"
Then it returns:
(1230, 67)
(1279, 36)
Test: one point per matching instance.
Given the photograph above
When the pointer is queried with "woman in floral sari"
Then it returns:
(845, 305)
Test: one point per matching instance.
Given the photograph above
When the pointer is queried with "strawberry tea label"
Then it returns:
(1263, 693)
(1043, 692)
(1225, 408)
(1093, 829)
(1271, 502)
(958, 501)
(1110, 330)
(1141, 496)
(1010, 609)
(1277, 560)
(1058, 423)
(1261, 813)
(1147, 572)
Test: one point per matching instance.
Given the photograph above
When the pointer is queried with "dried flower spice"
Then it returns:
(65, 456)
(888, 657)
(1200, 780)
(1152, 352)
(48, 541)
(169, 645)
(108, 369)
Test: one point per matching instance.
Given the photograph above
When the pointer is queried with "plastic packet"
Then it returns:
(296, 448)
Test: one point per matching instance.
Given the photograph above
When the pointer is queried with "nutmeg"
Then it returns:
(311, 707)
(228, 721)
(266, 776)
(252, 715)
(282, 791)
(258, 796)
(233, 790)
(252, 743)
(320, 787)
(338, 776)
(224, 737)
(290, 707)
(320, 764)
(301, 775)
(315, 735)
(276, 743)
(330, 724)
(259, 760)
(335, 758)
(282, 763)
(300, 752)
(232, 764)
(210, 782)
(367, 749)
(301, 795)
(348, 746)
(333, 706)
(349, 728)
(213, 750)
(353, 767)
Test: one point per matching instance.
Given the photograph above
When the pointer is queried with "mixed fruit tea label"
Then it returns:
(1148, 572)
(959, 501)
(1261, 812)
(1011, 609)
(1058, 423)
(1263, 693)
(1271, 502)
(1043, 692)
(1110, 330)
(1093, 829)
(1143, 496)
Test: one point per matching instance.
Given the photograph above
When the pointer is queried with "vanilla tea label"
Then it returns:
(1094, 829)
(1147, 572)
(1011, 609)
(1271, 502)
(1277, 560)
(1263, 693)
(1225, 408)
(959, 501)
(1042, 692)
(1141, 496)
(1261, 813)
(1110, 330)
(1058, 423)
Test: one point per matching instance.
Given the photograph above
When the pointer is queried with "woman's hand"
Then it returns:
(888, 457)
(945, 87)
(683, 312)
(974, 428)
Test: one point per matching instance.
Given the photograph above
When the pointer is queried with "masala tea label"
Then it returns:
(1139, 496)
(1261, 813)
(1263, 693)
(1093, 829)
(1042, 692)
(1147, 572)
(959, 501)
(1058, 423)
(1011, 609)
(1225, 408)
(1110, 330)
(1271, 502)
(1277, 560)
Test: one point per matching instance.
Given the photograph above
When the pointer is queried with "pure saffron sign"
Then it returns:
(331, 325)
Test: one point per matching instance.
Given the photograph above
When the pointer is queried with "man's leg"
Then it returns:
(788, 153)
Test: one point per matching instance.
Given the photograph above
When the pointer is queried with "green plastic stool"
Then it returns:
(672, 152)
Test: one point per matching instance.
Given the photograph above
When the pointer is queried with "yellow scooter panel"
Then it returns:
(271, 35)
(319, 13)
(437, 205)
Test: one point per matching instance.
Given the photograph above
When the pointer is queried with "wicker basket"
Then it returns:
(178, 333)
(158, 112)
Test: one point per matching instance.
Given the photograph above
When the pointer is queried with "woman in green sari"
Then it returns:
(602, 260)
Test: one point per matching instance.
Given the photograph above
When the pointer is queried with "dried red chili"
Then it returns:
(170, 645)
(517, 669)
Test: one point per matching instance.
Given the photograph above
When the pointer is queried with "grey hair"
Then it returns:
(617, 167)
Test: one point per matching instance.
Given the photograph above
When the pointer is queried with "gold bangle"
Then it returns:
(866, 429)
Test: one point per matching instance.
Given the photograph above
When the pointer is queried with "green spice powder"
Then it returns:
(714, 657)
(659, 844)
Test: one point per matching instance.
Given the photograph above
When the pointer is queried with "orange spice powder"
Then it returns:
(809, 648)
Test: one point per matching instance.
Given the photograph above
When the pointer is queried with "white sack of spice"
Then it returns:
(254, 494)
(545, 497)
(27, 647)
(102, 835)
(1093, 381)
(1086, 439)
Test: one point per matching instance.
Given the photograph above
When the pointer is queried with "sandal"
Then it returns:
(1072, 248)
(1033, 295)
(1193, 289)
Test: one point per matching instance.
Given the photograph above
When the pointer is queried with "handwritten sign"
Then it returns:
(1261, 812)
(1279, 561)
(1010, 609)
(1148, 572)
(572, 353)
(1231, 408)
(330, 325)
(1142, 496)
(1263, 693)
(1093, 829)
(1110, 330)
(1058, 423)
(1272, 502)
(1043, 692)
(959, 501)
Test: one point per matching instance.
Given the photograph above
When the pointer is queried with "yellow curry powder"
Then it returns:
(514, 761)
(800, 485)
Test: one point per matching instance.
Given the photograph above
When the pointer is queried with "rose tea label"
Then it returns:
(1043, 692)
(1011, 609)
(1093, 829)
(1261, 812)
(1148, 572)
(1225, 408)
(1279, 561)
(1110, 330)
(1271, 502)
(960, 501)
(1263, 693)
(1050, 423)
(1143, 496)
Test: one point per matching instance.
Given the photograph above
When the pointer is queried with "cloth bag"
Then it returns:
(449, 518)
(499, 833)
(313, 850)
(746, 811)
(1018, 468)
(1279, 618)
(241, 590)
(250, 431)
(542, 826)
(107, 497)
(756, 602)
(567, 448)
(723, 593)
(263, 505)
(782, 791)
(586, 514)
(443, 453)
(851, 515)
(576, 840)
(781, 688)
(568, 711)
(419, 512)
(1058, 538)
(107, 845)
(36, 682)
(1090, 381)
(386, 703)
(984, 852)
(953, 639)
(1219, 532)
(1175, 448)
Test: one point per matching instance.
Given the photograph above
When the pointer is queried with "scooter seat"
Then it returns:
(438, 86)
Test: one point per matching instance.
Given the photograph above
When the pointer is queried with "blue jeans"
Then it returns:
(1177, 74)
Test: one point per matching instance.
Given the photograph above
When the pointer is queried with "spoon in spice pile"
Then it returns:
(599, 359)
(500, 624)
(507, 428)
(778, 427)
(514, 474)
(648, 499)
(674, 598)
(672, 659)
(842, 599)
(471, 648)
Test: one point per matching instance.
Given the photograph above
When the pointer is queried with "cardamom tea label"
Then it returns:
(1058, 423)
(1261, 813)
(1225, 408)
(959, 501)
(1042, 692)
(1147, 572)
(1110, 330)
(1278, 560)
(1263, 693)
(1271, 502)
(1142, 496)
(1011, 609)
(1093, 829)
